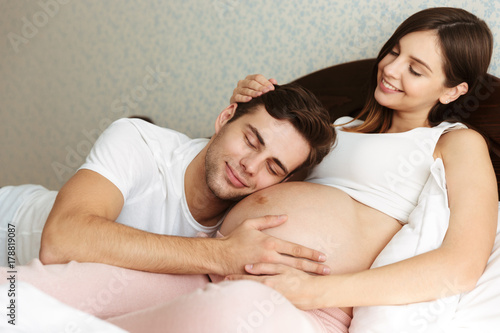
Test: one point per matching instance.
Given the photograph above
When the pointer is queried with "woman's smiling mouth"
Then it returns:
(388, 86)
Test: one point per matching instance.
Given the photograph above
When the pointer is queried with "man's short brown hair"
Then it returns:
(303, 110)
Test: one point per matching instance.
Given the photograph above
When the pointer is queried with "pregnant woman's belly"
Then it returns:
(322, 218)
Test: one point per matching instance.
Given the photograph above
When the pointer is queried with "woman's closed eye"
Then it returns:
(413, 72)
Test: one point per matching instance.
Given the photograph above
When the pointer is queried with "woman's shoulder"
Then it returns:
(462, 134)
(464, 140)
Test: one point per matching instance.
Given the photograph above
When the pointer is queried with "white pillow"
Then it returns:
(425, 231)
(479, 309)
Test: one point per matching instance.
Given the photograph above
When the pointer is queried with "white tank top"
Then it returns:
(386, 171)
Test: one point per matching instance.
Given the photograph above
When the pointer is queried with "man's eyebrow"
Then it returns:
(263, 143)
(281, 166)
(421, 62)
(257, 134)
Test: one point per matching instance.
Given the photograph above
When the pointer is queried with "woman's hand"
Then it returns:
(250, 87)
(298, 287)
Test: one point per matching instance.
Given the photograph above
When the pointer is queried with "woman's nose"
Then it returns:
(393, 68)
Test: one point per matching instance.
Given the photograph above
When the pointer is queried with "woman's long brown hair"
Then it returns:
(466, 43)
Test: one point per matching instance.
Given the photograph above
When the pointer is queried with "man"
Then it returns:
(164, 188)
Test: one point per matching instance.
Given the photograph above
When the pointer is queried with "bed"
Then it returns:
(341, 89)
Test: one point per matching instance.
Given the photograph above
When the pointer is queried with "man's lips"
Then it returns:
(233, 178)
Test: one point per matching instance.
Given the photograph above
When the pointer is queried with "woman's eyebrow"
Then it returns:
(421, 62)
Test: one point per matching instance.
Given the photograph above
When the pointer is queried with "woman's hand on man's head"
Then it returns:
(250, 87)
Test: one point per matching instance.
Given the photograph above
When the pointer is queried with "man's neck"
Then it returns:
(204, 206)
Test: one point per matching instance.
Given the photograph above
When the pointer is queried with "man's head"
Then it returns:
(264, 141)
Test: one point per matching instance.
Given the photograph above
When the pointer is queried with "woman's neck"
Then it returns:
(406, 122)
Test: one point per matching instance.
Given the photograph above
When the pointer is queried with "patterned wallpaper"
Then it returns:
(70, 67)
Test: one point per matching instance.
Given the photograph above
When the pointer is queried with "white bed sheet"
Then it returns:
(38, 312)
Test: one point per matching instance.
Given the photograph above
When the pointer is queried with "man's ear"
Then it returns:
(453, 93)
(225, 116)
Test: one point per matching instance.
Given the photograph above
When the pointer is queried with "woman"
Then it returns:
(432, 59)
(358, 198)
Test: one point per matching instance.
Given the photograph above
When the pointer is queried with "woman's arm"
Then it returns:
(453, 268)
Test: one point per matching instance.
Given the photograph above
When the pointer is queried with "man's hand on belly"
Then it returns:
(247, 244)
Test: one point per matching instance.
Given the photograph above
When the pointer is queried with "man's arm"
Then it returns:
(82, 227)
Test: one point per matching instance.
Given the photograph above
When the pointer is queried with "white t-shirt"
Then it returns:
(147, 163)
(385, 171)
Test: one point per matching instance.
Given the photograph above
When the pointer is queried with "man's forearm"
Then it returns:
(96, 239)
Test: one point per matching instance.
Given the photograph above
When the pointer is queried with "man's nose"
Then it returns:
(253, 163)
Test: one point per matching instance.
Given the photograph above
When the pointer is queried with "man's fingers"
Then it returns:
(271, 268)
(307, 266)
(268, 221)
(233, 277)
(264, 269)
(299, 251)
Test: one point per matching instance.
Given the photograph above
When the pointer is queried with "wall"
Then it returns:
(68, 67)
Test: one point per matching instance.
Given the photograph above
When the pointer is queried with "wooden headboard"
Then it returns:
(342, 89)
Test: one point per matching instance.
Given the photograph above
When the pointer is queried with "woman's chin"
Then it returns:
(381, 98)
